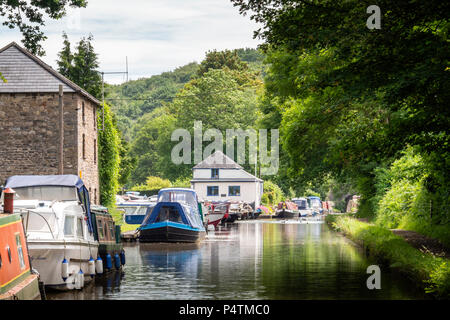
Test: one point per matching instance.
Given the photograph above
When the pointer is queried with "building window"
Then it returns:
(234, 191)
(84, 146)
(95, 150)
(214, 173)
(95, 195)
(83, 113)
(212, 191)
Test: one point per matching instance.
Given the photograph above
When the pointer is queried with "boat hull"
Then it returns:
(287, 214)
(170, 232)
(47, 257)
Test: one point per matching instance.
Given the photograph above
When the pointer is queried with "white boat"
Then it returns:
(57, 221)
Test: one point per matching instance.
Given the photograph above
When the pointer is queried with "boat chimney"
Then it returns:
(8, 200)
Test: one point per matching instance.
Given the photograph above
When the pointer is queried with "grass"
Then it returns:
(430, 272)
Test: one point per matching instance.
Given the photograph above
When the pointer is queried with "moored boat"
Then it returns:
(316, 205)
(303, 207)
(287, 210)
(107, 233)
(134, 213)
(175, 218)
(17, 282)
(216, 212)
(57, 220)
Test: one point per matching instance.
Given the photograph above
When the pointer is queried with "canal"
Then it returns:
(249, 260)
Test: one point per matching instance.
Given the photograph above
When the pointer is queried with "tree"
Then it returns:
(349, 99)
(28, 16)
(221, 59)
(65, 62)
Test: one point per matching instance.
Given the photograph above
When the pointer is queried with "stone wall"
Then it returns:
(29, 132)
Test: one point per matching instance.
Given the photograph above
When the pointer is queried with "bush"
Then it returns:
(272, 194)
(152, 184)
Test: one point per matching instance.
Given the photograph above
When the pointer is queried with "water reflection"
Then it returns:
(249, 260)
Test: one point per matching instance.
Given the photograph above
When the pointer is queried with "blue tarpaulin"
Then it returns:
(67, 180)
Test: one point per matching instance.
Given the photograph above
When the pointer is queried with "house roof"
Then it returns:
(26, 73)
(218, 160)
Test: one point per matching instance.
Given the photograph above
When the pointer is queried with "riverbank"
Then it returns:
(428, 271)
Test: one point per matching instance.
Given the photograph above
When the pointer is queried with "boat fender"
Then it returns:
(99, 265)
(65, 269)
(108, 262)
(91, 267)
(122, 257)
(81, 275)
(117, 261)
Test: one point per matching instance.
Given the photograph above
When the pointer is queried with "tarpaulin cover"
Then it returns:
(67, 180)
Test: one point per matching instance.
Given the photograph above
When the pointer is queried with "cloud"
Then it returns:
(155, 35)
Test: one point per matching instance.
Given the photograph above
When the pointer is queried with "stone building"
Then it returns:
(30, 127)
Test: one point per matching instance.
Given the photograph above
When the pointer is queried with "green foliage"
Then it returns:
(134, 99)
(182, 183)
(220, 60)
(153, 184)
(272, 194)
(28, 17)
(109, 157)
(431, 273)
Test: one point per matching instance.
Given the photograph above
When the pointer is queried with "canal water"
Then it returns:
(254, 259)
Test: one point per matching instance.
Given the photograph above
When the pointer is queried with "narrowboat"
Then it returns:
(17, 282)
(316, 205)
(58, 224)
(303, 207)
(287, 210)
(107, 233)
(175, 218)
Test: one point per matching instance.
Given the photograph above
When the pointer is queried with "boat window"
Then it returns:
(111, 229)
(163, 214)
(47, 193)
(302, 204)
(186, 197)
(80, 231)
(8, 249)
(69, 226)
(20, 251)
(41, 222)
(315, 203)
(0, 260)
(101, 234)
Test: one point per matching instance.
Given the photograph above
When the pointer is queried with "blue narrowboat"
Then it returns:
(176, 217)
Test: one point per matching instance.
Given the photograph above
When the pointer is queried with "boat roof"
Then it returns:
(313, 197)
(66, 180)
(177, 189)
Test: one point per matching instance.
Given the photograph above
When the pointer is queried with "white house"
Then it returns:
(219, 178)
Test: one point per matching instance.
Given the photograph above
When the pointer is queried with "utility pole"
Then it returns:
(103, 90)
(61, 131)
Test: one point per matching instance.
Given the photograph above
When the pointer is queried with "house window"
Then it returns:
(84, 147)
(234, 191)
(212, 191)
(214, 173)
(83, 113)
(95, 195)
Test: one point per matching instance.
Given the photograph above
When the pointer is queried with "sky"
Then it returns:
(155, 35)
